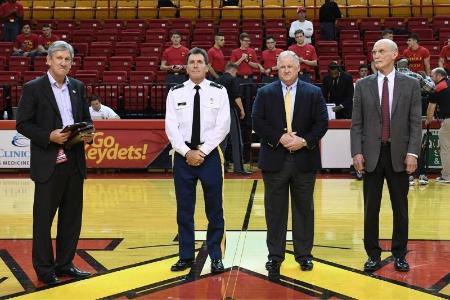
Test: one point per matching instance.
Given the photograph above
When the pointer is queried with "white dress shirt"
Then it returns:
(214, 116)
(306, 26)
(62, 97)
(391, 78)
(104, 112)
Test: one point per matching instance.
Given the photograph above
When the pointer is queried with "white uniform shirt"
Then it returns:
(306, 26)
(214, 116)
(104, 112)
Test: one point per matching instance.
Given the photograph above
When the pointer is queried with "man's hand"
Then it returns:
(285, 139)
(295, 144)
(428, 122)
(59, 138)
(241, 115)
(411, 164)
(195, 158)
(268, 71)
(358, 162)
(88, 138)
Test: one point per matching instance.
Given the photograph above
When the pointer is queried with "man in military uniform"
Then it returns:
(197, 121)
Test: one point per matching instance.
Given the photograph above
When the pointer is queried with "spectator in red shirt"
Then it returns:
(444, 56)
(46, 39)
(11, 13)
(174, 61)
(215, 56)
(418, 56)
(247, 61)
(306, 54)
(26, 43)
(269, 59)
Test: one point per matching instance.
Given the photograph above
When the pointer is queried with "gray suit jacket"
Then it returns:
(406, 127)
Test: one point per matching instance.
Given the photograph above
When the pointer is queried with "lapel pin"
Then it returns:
(73, 91)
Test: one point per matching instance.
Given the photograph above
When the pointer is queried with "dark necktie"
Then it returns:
(195, 137)
(386, 118)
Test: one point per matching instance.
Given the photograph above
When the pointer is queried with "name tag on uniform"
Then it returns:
(181, 104)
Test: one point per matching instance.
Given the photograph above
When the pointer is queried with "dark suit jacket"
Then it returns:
(406, 127)
(38, 115)
(310, 121)
(343, 94)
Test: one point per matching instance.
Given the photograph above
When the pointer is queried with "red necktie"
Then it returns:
(386, 118)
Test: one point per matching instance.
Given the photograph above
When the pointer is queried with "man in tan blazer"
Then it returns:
(385, 144)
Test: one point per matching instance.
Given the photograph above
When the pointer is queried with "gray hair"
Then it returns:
(392, 45)
(288, 53)
(60, 46)
(439, 71)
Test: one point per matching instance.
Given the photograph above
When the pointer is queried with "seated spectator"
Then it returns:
(46, 39)
(100, 111)
(26, 43)
(444, 56)
(337, 88)
(303, 24)
(363, 71)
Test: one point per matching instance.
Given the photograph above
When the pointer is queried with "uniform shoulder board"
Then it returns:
(216, 85)
(177, 86)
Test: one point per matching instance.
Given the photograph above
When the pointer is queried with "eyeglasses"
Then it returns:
(247, 41)
(270, 42)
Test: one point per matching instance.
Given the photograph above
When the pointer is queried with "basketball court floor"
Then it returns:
(129, 242)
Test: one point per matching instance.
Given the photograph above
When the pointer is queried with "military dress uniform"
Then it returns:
(214, 127)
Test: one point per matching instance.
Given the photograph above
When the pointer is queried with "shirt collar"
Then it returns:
(390, 76)
(202, 84)
(53, 81)
(292, 86)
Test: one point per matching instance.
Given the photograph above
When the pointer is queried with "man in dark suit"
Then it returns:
(48, 104)
(291, 117)
(337, 88)
(385, 143)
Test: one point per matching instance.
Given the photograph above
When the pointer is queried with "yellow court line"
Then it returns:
(112, 283)
(350, 283)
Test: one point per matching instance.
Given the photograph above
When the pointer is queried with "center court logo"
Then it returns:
(20, 141)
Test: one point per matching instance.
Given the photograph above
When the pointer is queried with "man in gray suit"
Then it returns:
(385, 144)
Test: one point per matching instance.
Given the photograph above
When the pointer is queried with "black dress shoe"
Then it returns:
(274, 270)
(73, 272)
(217, 266)
(50, 279)
(401, 265)
(372, 264)
(182, 264)
(306, 264)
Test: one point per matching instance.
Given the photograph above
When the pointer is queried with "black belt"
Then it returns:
(192, 147)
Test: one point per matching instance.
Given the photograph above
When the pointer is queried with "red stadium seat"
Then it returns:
(30, 75)
(156, 35)
(19, 63)
(151, 49)
(275, 23)
(417, 22)
(95, 63)
(126, 48)
(205, 23)
(131, 35)
(101, 49)
(121, 63)
(327, 48)
(349, 35)
(394, 22)
(137, 24)
(83, 36)
(40, 63)
(92, 24)
(433, 46)
(347, 24)
(141, 77)
(6, 48)
(2, 63)
(81, 49)
(108, 35)
(352, 47)
(113, 24)
(425, 34)
(370, 24)
(147, 63)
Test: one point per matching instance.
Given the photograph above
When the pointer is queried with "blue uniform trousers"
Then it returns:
(210, 175)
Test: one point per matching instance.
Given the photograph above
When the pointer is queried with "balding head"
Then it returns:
(384, 54)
